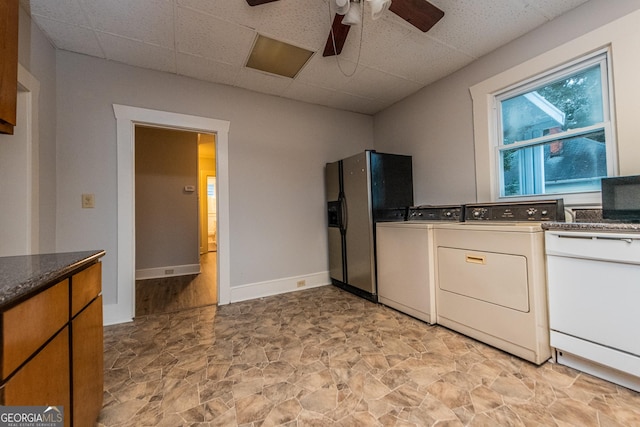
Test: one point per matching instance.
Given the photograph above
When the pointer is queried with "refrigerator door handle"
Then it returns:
(345, 214)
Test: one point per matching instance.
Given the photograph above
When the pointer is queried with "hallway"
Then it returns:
(169, 294)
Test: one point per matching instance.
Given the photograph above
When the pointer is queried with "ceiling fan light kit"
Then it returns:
(419, 13)
(378, 7)
(341, 7)
(354, 15)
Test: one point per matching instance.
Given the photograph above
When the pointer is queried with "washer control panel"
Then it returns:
(543, 210)
(436, 213)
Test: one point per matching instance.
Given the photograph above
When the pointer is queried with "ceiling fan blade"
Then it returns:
(419, 13)
(258, 2)
(340, 32)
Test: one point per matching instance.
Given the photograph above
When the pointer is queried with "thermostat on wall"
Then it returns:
(189, 188)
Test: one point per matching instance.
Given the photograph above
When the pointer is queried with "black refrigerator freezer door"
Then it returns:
(391, 181)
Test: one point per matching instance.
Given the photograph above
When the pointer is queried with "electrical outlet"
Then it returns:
(88, 201)
(301, 283)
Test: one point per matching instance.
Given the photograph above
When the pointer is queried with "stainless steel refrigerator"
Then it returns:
(362, 190)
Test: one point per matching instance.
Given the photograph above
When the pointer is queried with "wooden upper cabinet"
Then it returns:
(8, 64)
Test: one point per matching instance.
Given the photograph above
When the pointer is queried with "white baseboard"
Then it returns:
(167, 271)
(121, 313)
(279, 286)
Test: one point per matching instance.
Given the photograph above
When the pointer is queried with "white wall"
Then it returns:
(16, 169)
(166, 215)
(435, 125)
(277, 151)
(37, 55)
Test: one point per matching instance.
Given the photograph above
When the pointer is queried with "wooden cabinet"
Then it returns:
(45, 379)
(52, 348)
(8, 64)
(87, 348)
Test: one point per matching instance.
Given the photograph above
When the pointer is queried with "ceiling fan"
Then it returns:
(419, 13)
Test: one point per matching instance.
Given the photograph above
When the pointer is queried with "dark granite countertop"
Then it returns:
(23, 276)
(592, 226)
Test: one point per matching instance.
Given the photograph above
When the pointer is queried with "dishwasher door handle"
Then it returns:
(622, 239)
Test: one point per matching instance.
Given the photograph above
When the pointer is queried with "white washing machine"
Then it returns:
(405, 260)
(490, 275)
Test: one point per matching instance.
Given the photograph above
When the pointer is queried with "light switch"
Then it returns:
(88, 201)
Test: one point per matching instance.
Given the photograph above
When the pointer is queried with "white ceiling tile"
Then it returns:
(289, 21)
(206, 69)
(350, 102)
(69, 37)
(150, 21)
(431, 60)
(379, 85)
(308, 93)
(211, 40)
(69, 11)
(553, 8)
(379, 39)
(136, 53)
(238, 12)
(327, 72)
(204, 35)
(477, 28)
(262, 82)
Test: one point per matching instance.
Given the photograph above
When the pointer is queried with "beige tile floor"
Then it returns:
(324, 357)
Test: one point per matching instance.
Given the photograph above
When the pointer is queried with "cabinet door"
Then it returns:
(28, 325)
(44, 380)
(8, 64)
(88, 362)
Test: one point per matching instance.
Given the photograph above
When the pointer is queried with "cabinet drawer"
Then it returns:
(44, 314)
(85, 286)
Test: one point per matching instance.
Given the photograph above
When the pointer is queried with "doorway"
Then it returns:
(121, 306)
(171, 205)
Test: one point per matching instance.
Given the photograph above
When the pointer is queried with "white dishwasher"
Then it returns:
(594, 291)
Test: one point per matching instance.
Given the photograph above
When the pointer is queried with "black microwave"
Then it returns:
(621, 198)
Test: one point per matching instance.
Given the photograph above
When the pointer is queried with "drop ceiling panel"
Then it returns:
(369, 82)
(137, 53)
(204, 35)
(68, 11)
(68, 37)
(308, 93)
(238, 12)
(431, 59)
(477, 28)
(554, 8)
(262, 82)
(290, 21)
(326, 72)
(211, 40)
(150, 21)
(206, 69)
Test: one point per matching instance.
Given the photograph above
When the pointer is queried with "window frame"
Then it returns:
(600, 57)
(604, 39)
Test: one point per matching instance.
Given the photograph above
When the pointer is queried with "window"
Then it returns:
(554, 132)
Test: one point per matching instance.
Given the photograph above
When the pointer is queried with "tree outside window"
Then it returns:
(553, 132)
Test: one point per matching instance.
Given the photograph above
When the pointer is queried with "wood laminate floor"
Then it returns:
(323, 357)
(168, 294)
